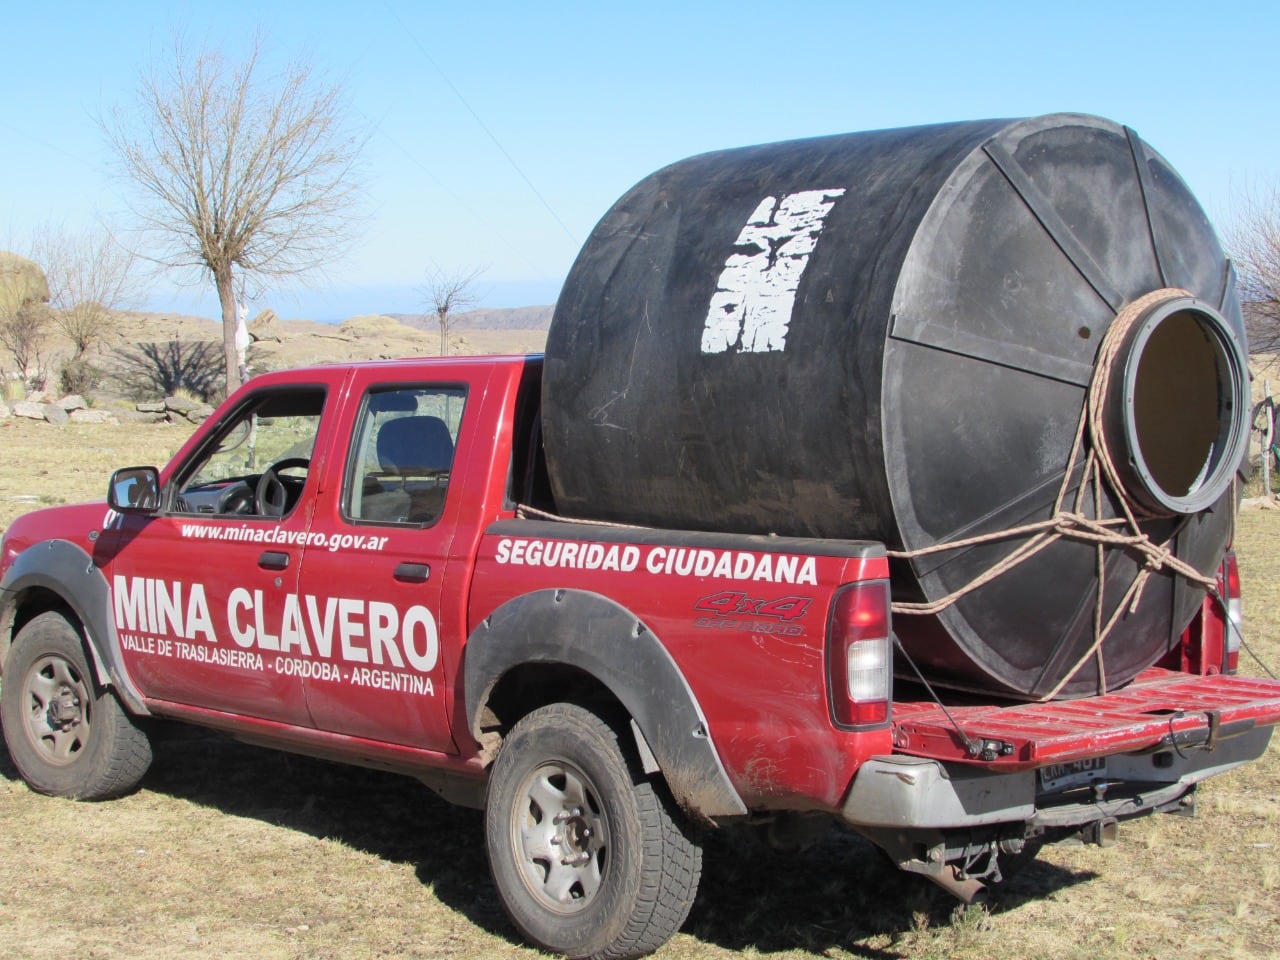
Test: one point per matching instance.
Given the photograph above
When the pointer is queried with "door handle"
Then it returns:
(413, 572)
(274, 560)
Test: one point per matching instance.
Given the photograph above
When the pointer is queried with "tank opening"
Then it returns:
(1184, 384)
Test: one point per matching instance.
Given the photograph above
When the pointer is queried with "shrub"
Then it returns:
(80, 376)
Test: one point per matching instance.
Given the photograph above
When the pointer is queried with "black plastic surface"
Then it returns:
(599, 637)
(954, 284)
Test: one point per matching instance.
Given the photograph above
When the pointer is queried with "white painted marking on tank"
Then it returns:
(750, 311)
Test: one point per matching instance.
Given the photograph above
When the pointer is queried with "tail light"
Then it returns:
(1230, 577)
(860, 655)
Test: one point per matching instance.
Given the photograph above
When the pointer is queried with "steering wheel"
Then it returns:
(270, 495)
(236, 498)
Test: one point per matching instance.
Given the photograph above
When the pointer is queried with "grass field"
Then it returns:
(232, 851)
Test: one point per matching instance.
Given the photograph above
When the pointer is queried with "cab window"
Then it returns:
(257, 464)
(403, 454)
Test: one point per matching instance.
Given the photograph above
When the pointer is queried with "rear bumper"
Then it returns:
(916, 793)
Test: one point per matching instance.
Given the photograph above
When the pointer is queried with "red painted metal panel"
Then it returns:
(746, 628)
(1157, 706)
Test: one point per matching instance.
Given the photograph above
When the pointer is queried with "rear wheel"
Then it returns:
(590, 859)
(67, 736)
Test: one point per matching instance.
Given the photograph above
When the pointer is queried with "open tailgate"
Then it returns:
(1160, 708)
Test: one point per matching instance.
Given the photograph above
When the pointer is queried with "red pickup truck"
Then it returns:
(352, 562)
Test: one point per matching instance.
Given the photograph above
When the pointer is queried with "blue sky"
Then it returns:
(500, 133)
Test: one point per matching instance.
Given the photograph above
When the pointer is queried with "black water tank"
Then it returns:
(890, 335)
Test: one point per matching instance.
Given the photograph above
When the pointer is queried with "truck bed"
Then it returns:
(1159, 709)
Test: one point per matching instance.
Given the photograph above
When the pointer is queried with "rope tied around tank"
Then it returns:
(1120, 532)
(1099, 471)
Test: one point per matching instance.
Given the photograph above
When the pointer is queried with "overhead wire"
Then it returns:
(483, 126)
(471, 211)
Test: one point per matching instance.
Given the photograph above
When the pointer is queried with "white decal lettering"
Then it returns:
(198, 619)
(764, 570)
(350, 628)
(784, 568)
(724, 566)
(292, 632)
(299, 624)
(322, 629)
(151, 606)
(239, 598)
(169, 608)
(425, 661)
(129, 600)
(384, 624)
(809, 572)
(266, 640)
(656, 560)
(750, 311)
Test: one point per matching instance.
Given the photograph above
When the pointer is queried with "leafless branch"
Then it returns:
(1254, 244)
(24, 312)
(90, 276)
(237, 172)
(447, 294)
(23, 333)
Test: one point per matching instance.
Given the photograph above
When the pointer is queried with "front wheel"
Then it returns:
(67, 736)
(589, 858)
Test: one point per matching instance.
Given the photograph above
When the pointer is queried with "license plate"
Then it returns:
(1062, 776)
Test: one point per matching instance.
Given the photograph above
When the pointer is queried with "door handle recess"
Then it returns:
(412, 572)
(274, 560)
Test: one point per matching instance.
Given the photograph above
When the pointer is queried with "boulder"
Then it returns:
(266, 326)
(21, 282)
(29, 409)
(73, 402)
(150, 406)
(143, 416)
(5, 414)
(181, 405)
(1259, 503)
(55, 414)
(375, 326)
(93, 416)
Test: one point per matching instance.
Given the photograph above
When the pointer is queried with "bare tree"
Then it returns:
(23, 333)
(237, 173)
(1254, 243)
(448, 293)
(24, 313)
(90, 276)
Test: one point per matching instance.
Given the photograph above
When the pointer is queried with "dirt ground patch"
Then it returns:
(229, 850)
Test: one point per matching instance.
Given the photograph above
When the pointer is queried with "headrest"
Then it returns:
(414, 445)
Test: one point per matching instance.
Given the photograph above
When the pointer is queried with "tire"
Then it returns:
(590, 859)
(67, 736)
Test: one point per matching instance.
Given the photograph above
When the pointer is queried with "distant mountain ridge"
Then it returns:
(287, 344)
(505, 318)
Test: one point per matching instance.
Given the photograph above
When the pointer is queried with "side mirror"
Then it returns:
(134, 490)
